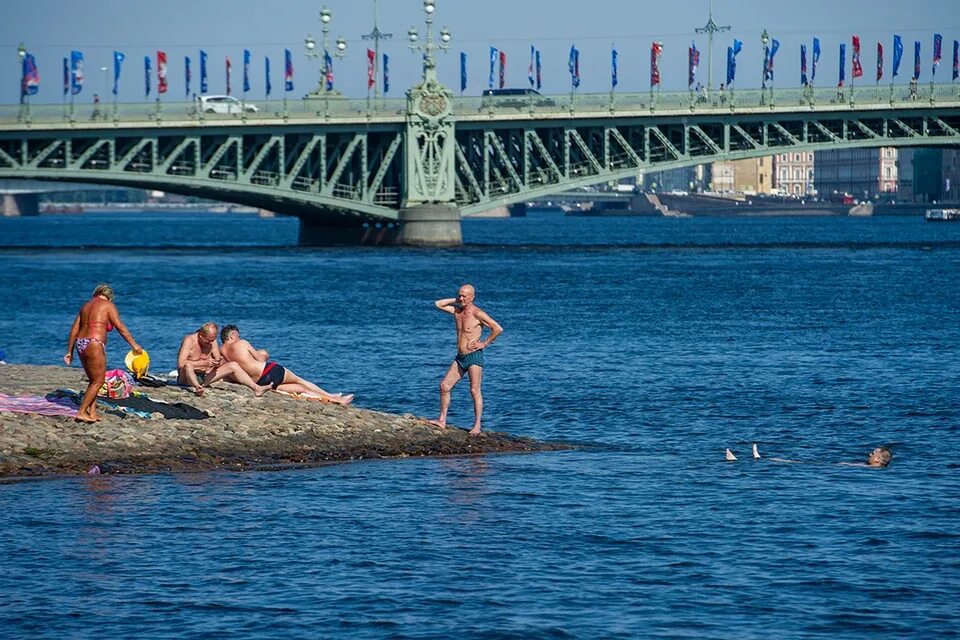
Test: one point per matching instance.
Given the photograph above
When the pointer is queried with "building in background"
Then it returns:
(749, 176)
(793, 173)
(690, 179)
(929, 175)
(865, 174)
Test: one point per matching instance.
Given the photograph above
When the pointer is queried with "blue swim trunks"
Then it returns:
(467, 360)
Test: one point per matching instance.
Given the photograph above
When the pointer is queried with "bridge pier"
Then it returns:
(330, 233)
(21, 204)
(431, 225)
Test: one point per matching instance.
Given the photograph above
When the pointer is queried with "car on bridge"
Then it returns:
(224, 104)
(515, 99)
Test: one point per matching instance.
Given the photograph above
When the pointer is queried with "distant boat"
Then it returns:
(942, 215)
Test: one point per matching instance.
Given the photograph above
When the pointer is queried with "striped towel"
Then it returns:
(42, 406)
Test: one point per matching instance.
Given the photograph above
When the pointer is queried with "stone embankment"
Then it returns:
(242, 432)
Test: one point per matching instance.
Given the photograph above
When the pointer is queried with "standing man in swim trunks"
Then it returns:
(470, 320)
(199, 363)
(256, 364)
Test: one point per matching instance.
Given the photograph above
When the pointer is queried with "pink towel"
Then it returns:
(38, 405)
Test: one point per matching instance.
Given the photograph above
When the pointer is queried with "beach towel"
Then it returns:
(57, 406)
(109, 406)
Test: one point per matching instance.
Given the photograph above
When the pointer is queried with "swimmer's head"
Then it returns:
(879, 457)
(466, 294)
(228, 332)
(104, 290)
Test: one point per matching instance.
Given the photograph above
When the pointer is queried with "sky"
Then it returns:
(51, 28)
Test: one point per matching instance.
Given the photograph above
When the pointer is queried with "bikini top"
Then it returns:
(96, 323)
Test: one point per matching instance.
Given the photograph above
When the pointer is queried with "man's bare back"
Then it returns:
(243, 353)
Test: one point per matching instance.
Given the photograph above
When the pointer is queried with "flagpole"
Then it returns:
(376, 35)
(711, 28)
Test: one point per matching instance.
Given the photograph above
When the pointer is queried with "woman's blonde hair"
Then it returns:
(104, 290)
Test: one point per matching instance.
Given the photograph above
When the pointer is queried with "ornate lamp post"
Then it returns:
(376, 35)
(428, 46)
(21, 56)
(711, 28)
(765, 41)
(326, 70)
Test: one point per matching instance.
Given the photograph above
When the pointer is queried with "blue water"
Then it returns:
(657, 342)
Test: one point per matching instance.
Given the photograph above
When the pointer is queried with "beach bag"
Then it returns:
(116, 384)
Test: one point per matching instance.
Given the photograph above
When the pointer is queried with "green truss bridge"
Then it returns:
(405, 170)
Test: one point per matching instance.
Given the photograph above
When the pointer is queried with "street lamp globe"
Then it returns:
(22, 51)
(325, 15)
(445, 35)
(341, 44)
(412, 34)
(764, 38)
(310, 43)
(429, 6)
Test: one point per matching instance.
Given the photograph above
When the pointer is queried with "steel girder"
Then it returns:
(286, 169)
(503, 162)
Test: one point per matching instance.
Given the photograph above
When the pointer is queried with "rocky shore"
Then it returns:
(241, 432)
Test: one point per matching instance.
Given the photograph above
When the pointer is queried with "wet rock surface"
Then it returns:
(243, 432)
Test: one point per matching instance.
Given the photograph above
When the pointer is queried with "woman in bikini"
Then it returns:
(89, 335)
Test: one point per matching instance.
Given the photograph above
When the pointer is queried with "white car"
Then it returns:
(224, 104)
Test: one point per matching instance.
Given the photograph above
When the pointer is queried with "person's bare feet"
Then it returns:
(438, 423)
(345, 400)
(199, 391)
(262, 390)
(475, 431)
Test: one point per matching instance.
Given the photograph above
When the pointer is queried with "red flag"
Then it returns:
(371, 78)
(879, 61)
(857, 67)
(161, 71)
(655, 50)
(503, 68)
(229, 68)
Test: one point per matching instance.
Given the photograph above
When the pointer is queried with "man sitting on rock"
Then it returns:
(255, 363)
(199, 363)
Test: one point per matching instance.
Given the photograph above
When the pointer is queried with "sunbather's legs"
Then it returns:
(94, 361)
(232, 372)
(292, 383)
(186, 375)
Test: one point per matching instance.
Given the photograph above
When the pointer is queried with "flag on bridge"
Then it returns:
(371, 70)
(539, 77)
(732, 53)
(916, 60)
(463, 71)
(768, 66)
(573, 64)
(897, 54)
(246, 70)
(66, 76)
(493, 64)
(693, 63)
(656, 48)
(328, 69)
(613, 68)
(228, 69)
(843, 64)
(879, 61)
(856, 67)
(187, 75)
(503, 69)
(530, 79)
(146, 76)
(30, 82)
(203, 71)
(386, 74)
(937, 51)
(287, 70)
(815, 60)
(76, 72)
(803, 65)
(266, 75)
(161, 72)
(956, 59)
(118, 58)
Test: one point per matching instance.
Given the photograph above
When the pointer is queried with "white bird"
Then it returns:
(756, 454)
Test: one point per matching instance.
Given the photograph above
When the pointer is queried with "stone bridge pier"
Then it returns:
(21, 204)
(428, 225)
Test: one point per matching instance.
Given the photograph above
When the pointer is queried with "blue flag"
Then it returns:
(768, 62)
(246, 70)
(146, 76)
(463, 72)
(386, 74)
(897, 54)
(76, 72)
(66, 76)
(573, 64)
(937, 51)
(539, 77)
(916, 60)
(266, 73)
(732, 61)
(613, 68)
(803, 65)
(493, 63)
(118, 59)
(203, 71)
(328, 70)
(287, 70)
(843, 64)
(530, 77)
(30, 81)
(816, 59)
(187, 75)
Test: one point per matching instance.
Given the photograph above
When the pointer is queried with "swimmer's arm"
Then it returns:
(489, 323)
(122, 329)
(447, 305)
(183, 356)
(72, 340)
(260, 355)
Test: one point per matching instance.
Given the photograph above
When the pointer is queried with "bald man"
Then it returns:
(470, 321)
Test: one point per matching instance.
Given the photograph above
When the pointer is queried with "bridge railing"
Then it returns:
(345, 109)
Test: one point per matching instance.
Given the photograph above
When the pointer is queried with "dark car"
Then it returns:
(515, 98)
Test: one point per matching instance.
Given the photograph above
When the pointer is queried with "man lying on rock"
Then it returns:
(199, 363)
(255, 363)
